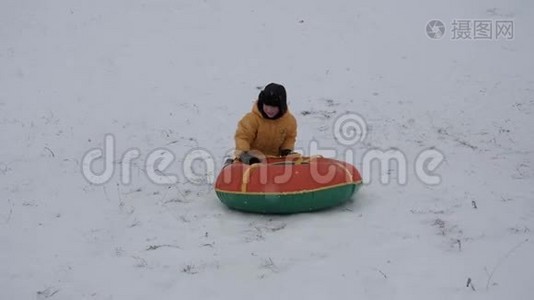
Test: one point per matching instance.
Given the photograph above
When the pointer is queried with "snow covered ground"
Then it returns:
(178, 75)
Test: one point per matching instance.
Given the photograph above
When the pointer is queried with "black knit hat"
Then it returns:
(274, 95)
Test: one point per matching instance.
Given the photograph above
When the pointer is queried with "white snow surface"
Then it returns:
(178, 75)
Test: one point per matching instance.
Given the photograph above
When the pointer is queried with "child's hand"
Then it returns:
(285, 152)
(248, 159)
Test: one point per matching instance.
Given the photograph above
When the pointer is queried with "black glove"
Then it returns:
(248, 159)
(228, 162)
(285, 152)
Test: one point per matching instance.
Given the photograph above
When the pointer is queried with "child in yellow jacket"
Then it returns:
(269, 128)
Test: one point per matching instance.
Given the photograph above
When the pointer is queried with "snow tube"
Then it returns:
(287, 185)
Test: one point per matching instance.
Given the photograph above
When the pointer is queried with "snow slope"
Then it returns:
(178, 75)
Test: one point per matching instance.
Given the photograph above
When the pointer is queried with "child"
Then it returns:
(269, 129)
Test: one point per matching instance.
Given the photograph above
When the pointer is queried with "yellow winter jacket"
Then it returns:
(254, 132)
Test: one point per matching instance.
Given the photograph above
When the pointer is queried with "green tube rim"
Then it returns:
(286, 203)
